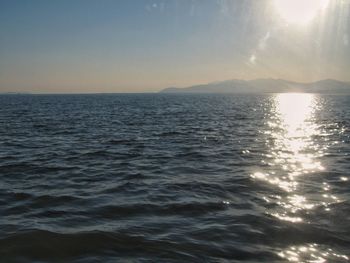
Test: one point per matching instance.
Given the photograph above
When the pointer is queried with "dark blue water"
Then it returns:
(174, 178)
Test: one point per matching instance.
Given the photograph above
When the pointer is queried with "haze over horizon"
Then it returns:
(141, 46)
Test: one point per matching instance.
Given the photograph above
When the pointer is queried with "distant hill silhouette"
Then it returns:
(328, 86)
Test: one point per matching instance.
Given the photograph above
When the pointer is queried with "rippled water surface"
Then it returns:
(174, 178)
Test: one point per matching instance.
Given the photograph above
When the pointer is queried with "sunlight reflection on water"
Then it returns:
(311, 253)
(294, 154)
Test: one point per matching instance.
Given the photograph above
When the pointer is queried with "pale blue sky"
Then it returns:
(141, 45)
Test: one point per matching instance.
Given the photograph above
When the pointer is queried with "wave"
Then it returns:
(35, 244)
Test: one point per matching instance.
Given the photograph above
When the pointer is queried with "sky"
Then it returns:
(78, 46)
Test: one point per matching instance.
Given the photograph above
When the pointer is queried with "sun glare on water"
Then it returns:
(299, 11)
(293, 171)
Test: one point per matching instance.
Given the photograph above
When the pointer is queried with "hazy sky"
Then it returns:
(141, 45)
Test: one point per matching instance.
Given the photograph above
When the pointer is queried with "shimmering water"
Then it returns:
(174, 178)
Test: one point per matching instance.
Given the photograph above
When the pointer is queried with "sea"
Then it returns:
(175, 178)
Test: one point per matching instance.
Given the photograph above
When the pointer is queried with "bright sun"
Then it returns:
(299, 11)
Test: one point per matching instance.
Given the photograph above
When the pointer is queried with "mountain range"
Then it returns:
(327, 86)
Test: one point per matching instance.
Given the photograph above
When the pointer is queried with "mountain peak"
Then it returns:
(265, 85)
